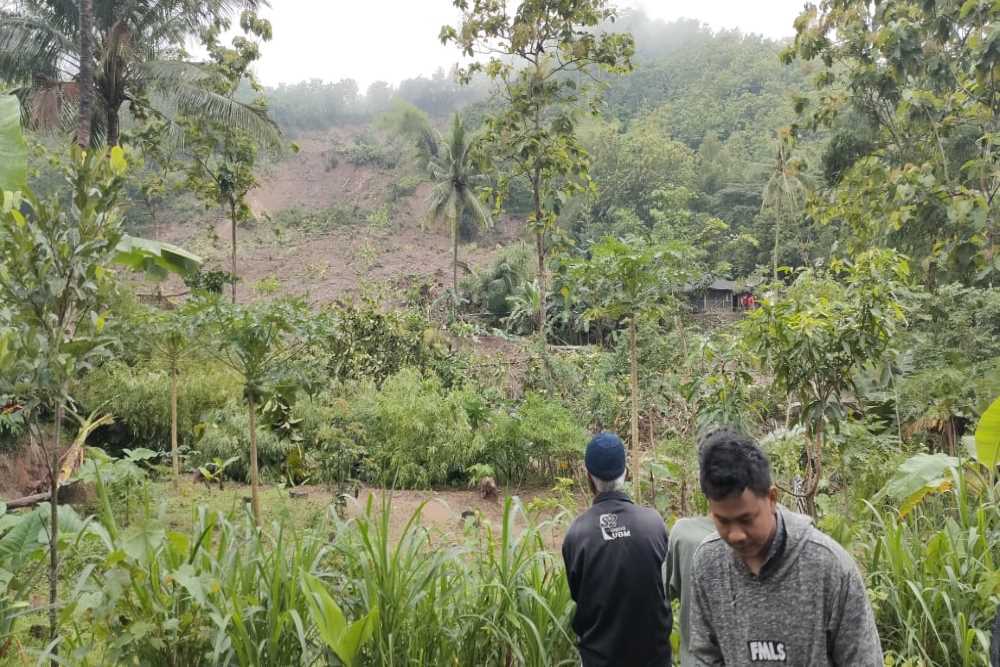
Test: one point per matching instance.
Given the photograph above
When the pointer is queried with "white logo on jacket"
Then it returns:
(610, 530)
(767, 651)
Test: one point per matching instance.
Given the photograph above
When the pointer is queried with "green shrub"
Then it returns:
(368, 151)
(318, 220)
(225, 432)
(489, 293)
(404, 187)
(139, 399)
(538, 440)
(416, 433)
(12, 423)
(326, 430)
(367, 343)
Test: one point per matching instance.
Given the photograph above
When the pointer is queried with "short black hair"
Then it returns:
(730, 463)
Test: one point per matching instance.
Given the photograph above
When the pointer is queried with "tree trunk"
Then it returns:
(54, 534)
(634, 386)
(86, 81)
(814, 473)
(232, 218)
(774, 251)
(173, 426)
(459, 210)
(542, 286)
(254, 483)
(114, 127)
(536, 189)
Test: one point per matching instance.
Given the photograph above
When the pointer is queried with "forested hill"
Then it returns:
(692, 129)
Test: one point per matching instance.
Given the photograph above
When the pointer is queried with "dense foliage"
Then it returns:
(864, 362)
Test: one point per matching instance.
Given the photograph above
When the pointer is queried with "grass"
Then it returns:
(178, 508)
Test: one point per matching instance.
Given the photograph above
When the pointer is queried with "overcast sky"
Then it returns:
(391, 40)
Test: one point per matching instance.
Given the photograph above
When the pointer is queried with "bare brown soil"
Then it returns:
(341, 261)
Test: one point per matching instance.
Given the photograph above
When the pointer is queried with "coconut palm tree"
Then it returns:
(784, 193)
(86, 73)
(137, 60)
(455, 179)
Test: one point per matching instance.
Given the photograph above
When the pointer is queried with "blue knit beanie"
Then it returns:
(605, 458)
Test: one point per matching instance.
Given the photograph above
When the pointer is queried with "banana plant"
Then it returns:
(215, 471)
(926, 475)
(988, 436)
(13, 150)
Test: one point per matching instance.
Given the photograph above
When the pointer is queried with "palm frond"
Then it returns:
(456, 140)
(62, 16)
(440, 202)
(185, 86)
(480, 213)
(30, 48)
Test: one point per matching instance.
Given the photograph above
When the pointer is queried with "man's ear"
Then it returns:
(772, 495)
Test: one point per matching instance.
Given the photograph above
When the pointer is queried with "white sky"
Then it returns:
(391, 40)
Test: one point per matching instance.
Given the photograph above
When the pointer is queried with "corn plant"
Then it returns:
(523, 608)
(417, 589)
(225, 593)
(499, 599)
(933, 577)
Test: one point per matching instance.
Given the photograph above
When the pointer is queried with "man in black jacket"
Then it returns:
(614, 556)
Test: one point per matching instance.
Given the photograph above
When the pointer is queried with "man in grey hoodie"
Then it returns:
(769, 588)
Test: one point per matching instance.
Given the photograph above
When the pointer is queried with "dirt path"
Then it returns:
(440, 511)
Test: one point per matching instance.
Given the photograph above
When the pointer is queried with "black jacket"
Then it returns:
(614, 555)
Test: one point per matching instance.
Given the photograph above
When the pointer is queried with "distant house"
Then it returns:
(718, 296)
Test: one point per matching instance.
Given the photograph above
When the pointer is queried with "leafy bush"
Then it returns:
(365, 342)
(404, 187)
(12, 423)
(318, 220)
(416, 433)
(368, 151)
(139, 399)
(539, 439)
(225, 433)
(491, 293)
(210, 281)
(325, 428)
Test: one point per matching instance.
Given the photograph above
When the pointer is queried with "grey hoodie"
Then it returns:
(808, 606)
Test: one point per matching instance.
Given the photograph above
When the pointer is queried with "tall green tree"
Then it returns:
(456, 180)
(632, 281)
(56, 283)
(223, 155)
(784, 195)
(814, 336)
(541, 54)
(921, 78)
(136, 60)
